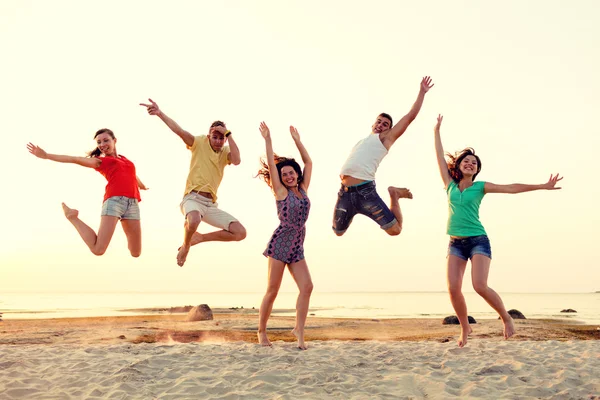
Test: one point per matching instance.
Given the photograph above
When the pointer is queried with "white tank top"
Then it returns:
(364, 159)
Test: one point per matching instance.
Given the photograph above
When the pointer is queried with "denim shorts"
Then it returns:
(121, 207)
(467, 247)
(361, 199)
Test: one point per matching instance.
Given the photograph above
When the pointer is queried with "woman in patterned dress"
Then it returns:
(286, 247)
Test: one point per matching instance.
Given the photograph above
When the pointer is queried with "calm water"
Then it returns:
(339, 305)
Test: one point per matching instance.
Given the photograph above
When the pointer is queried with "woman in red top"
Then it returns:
(120, 199)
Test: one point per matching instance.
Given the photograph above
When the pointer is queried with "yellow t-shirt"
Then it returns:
(206, 167)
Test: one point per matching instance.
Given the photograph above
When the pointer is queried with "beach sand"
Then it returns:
(166, 357)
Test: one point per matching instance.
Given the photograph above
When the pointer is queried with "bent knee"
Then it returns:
(98, 252)
(238, 231)
(394, 230)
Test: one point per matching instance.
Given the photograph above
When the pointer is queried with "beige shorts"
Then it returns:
(209, 211)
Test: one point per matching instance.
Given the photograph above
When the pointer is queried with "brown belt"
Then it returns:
(203, 194)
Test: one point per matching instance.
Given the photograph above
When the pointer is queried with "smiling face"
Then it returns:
(106, 143)
(469, 166)
(382, 124)
(289, 177)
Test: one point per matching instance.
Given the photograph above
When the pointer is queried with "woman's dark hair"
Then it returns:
(280, 162)
(96, 152)
(455, 160)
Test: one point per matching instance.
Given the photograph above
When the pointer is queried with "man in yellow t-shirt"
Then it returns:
(209, 158)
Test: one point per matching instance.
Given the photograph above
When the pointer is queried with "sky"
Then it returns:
(515, 80)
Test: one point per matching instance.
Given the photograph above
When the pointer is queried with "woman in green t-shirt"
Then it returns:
(468, 239)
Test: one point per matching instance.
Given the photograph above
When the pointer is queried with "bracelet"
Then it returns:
(227, 133)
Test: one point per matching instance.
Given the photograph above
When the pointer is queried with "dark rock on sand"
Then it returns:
(453, 320)
(515, 314)
(200, 313)
(568, 310)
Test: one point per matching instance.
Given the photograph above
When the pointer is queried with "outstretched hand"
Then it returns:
(551, 184)
(264, 130)
(426, 84)
(295, 134)
(440, 118)
(37, 151)
(152, 108)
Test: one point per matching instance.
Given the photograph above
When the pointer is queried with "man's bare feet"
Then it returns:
(464, 334)
(263, 340)
(509, 328)
(399, 193)
(70, 213)
(182, 255)
(300, 336)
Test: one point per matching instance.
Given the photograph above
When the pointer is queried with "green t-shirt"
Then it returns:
(463, 210)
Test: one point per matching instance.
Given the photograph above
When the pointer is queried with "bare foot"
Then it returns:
(70, 213)
(464, 334)
(182, 255)
(300, 336)
(509, 328)
(263, 340)
(399, 193)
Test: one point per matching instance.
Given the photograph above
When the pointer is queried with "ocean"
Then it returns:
(377, 305)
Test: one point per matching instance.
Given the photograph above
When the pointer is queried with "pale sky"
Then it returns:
(518, 81)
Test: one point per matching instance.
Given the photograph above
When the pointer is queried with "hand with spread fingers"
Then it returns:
(37, 151)
(551, 184)
(426, 84)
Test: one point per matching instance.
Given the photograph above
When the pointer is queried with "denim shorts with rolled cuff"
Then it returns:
(121, 207)
(361, 199)
(467, 247)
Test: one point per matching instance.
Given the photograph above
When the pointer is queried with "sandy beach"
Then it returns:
(166, 357)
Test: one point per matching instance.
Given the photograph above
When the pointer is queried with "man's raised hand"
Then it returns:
(152, 108)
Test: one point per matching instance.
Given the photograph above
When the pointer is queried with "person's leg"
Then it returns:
(234, 233)
(275, 277)
(479, 274)
(192, 221)
(96, 243)
(130, 221)
(301, 275)
(133, 231)
(396, 194)
(343, 213)
(455, 272)
(370, 204)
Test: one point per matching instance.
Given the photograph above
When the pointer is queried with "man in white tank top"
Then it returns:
(357, 194)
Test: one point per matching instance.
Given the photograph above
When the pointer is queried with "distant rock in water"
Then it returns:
(453, 320)
(515, 314)
(200, 313)
(568, 310)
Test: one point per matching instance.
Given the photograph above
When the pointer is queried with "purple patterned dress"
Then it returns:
(287, 242)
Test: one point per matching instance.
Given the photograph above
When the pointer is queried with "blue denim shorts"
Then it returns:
(121, 207)
(467, 247)
(361, 199)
